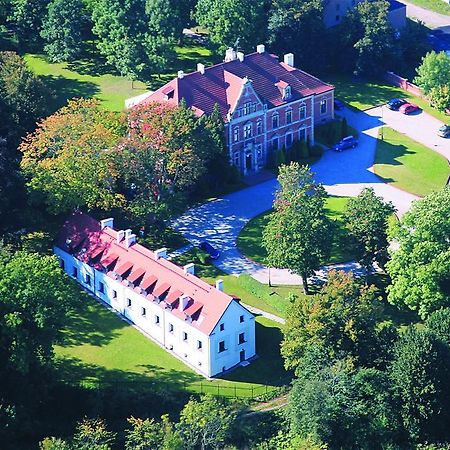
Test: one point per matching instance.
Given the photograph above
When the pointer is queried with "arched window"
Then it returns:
(236, 134)
(288, 140)
(302, 112)
(302, 134)
(259, 126)
(275, 143)
(248, 130)
(275, 118)
(289, 116)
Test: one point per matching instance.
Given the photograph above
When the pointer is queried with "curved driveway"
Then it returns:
(342, 174)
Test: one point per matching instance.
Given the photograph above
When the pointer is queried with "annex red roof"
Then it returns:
(138, 265)
(221, 84)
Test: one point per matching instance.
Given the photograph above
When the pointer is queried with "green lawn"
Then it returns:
(360, 94)
(91, 77)
(439, 6)
(98, 346)
(249, 240)
(408, 165)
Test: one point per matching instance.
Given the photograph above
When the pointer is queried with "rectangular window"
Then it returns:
(101, 287)
(88, 279)
(114, 294)
(241, 319)
(288, 117)
(222, 327)
(199, 345)
(156, 319)
(289, 140)
(302, 134)
(185, 336)
(129, 303)
(171, 328)
(247, 130)
(75, 272)
(241, 338)
(275, 143)
(143, 312)
(247, 108)
(222, 346)
(236, 134)
(302, 112)
(275, 121)
(323, 107)
(236, 159)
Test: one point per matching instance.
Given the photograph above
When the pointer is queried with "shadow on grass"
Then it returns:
(65, 89)
(388, 153)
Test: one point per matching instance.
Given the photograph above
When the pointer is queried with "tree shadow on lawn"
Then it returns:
(388, 154)
(65, 89)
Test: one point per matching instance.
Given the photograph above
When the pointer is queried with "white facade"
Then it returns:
(231, 342)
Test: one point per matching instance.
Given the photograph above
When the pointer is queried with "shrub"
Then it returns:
(316, 150)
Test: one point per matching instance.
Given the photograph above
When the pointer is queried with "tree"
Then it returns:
(298, 235)
(27, 17)
(92, 434)
(61, 29)
(290, 22)
(228, 20)
(206, 423)
(366, 219)
(34, 298)
(68, 161)
(420, 266)
(127, 40)
(434, 72)
(440, 97)
(52, 443)
(343, 320)
(419, 373)
(438, 324)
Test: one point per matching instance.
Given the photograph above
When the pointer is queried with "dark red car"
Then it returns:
(408, 108)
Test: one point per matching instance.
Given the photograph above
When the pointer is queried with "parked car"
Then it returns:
(395, 104)
(208, 248)
(338, 105)
(444, 131)
(408, 108)
(347, 142)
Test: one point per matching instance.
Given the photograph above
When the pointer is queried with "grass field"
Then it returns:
(360, 94)
(98, 346)
(249, 240)
(408, 165)
(439, 6)
(91, 77)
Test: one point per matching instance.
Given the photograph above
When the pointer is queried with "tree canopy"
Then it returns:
(420, 266)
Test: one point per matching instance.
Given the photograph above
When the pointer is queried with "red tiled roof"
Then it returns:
(221, 84)
(206, 300)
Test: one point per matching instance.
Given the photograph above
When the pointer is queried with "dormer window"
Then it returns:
(287, 93)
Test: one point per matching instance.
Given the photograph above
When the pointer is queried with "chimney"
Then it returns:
(180, 74)
(201, 68)
(189, 268)
(120, 236)
(107, 223)
(219, 285)
(289, 59)
(130, 239)
(128, 232)
(230, 54)
(240, 56)
(160, 253)
(260, 48)
(184, 300)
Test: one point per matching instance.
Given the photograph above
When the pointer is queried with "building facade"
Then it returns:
(266, 104)
(198, 323)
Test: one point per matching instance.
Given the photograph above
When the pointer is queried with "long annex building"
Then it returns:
(198, 323)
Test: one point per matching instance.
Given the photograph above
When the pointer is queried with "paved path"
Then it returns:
(430, 18)
(343, 174)
(263, 313)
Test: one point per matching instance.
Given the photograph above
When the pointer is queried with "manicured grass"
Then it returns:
(91, 77)
(98, 346)
(271, 299)
(362, 94)
(439, 6)
(249, 240)
(408, 165)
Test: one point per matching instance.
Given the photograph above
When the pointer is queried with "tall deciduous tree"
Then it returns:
(366, 218)
(228, 20)
(343, 320)
(420, 266)
(434, 72)
(61, 29)
(297, 26)
(127, 39)
(298, 236)
(68, 162)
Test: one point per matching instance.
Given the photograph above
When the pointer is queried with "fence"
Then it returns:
(220, 389)
(403, 83)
